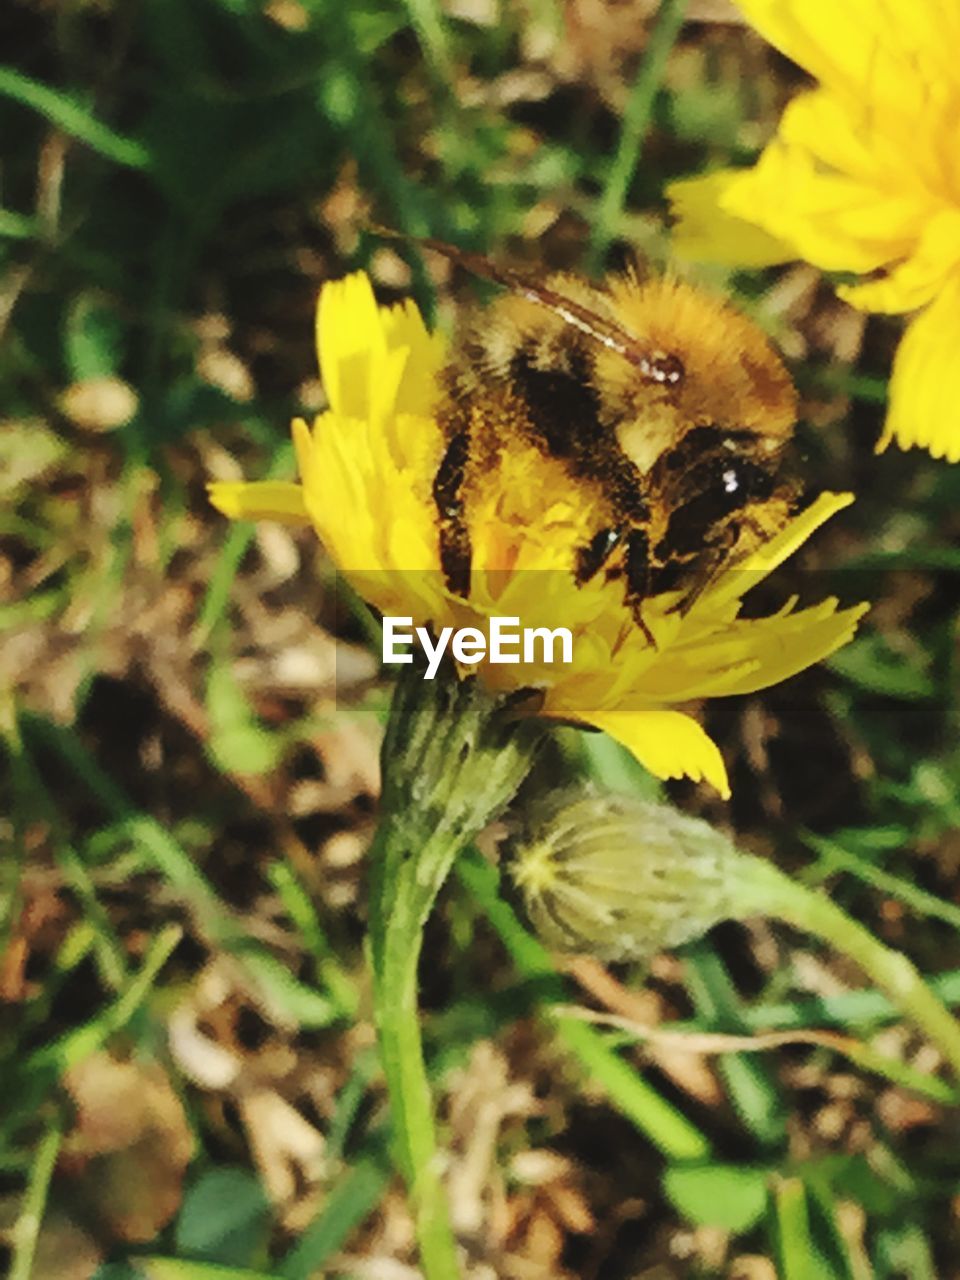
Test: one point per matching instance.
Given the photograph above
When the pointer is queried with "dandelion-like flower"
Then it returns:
(863, 176)
(366, 473)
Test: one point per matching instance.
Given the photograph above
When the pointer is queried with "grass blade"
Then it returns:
(74, 119)
(27, 1229)
(354, 1197)
(636, 122)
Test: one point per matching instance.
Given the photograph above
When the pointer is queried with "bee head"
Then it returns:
(707, 366)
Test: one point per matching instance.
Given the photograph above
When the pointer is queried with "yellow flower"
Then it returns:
(863, 176)
(366, 473)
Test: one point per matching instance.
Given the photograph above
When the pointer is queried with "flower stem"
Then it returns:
(763, 889)
(396, 956)
(452, 759)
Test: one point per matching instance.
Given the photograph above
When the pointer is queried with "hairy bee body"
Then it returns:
(669, 411)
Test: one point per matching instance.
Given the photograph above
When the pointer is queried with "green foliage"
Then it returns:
(180, 1269)
(355, 1197)
(237, 743)
(93, 338)
(731, 1197)
(870, 663)
(224, 1218)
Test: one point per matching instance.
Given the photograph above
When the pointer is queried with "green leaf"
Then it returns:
(827, 1232)
(902, 1250)
(873, 665)
(157, 846)
(223, 1217)
(833, 857)
(611, 765)
(850, 1177)
(731, 1197)
(15, 226)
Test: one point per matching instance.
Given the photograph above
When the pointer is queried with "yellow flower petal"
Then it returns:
(764, 651)
(820, 122)
(913, 283)
(668, 743)
(370, 513)
(836, 222)
(858, 46)
(302, 444)
(705, 231)
(403, 327)
(375, 361)
(925, 387)
(350, 340)
(264, 500)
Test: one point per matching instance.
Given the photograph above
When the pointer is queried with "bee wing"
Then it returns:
(597, 328)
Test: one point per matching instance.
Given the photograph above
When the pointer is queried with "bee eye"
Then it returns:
(730, 480)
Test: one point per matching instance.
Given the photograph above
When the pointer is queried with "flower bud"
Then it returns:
(622, 879)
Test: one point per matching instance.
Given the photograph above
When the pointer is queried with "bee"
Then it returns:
(670, 409)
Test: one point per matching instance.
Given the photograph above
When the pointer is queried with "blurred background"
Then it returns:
(189, 1073)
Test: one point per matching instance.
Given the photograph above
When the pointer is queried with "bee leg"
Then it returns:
(697, 587)
(455, 550)
(592, 557)
(638, 572)
(710, 563)
(761, 534)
